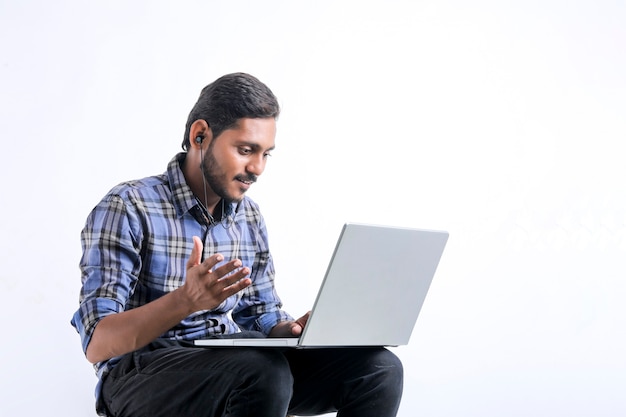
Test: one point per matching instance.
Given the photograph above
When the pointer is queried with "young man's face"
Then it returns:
(237, 157)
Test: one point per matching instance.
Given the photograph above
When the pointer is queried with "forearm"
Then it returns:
(127, 331)
(205, 288)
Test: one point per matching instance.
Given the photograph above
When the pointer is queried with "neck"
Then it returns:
(194, 177)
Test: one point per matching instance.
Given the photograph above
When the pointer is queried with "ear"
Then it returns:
(200, 128)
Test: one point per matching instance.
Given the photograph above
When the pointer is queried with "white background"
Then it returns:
(498, 121)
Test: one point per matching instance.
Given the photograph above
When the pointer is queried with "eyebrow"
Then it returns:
(255, 146)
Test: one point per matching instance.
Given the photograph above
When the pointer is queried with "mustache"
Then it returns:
(247, 178)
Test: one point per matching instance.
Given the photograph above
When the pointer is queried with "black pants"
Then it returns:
(177, 379)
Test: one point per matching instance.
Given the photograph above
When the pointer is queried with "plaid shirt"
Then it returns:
(136, 243)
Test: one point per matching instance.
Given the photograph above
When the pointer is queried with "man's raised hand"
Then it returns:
(207, 286)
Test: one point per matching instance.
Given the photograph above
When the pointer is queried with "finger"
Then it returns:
(211, 261)
(233, 277)
(227, 268)
(234, 288)
(196, 253)
(237, 286)
(303, 320)
(296, 328)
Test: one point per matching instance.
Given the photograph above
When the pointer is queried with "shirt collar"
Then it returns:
(182, 196)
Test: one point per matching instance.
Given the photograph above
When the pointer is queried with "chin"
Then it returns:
(234, 198)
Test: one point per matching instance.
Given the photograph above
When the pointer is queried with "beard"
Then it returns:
(217, 180)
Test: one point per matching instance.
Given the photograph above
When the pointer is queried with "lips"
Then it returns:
(245, 182)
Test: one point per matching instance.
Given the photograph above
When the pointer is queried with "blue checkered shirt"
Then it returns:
(136, 243)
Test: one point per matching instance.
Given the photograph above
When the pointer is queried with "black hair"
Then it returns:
(230, 98)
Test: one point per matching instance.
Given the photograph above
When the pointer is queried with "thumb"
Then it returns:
(196, 253)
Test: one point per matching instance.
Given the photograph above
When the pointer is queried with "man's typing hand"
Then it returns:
(290, 328)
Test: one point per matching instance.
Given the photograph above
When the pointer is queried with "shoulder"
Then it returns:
(131, 199)
(144, 186)
(138, 194)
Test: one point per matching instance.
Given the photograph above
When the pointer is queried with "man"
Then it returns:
(182, 256)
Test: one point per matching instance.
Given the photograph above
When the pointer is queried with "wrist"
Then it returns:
(182, 302)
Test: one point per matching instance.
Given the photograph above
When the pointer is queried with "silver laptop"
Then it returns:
(373, 291)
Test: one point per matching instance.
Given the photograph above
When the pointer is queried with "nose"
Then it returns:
(256, 165)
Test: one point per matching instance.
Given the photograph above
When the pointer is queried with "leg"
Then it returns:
(169, 379)
(353, 381)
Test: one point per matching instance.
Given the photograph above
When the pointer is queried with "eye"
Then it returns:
(267, 155)
(244, 150)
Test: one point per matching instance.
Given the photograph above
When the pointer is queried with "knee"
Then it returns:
(389, 368)
(390, 364)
